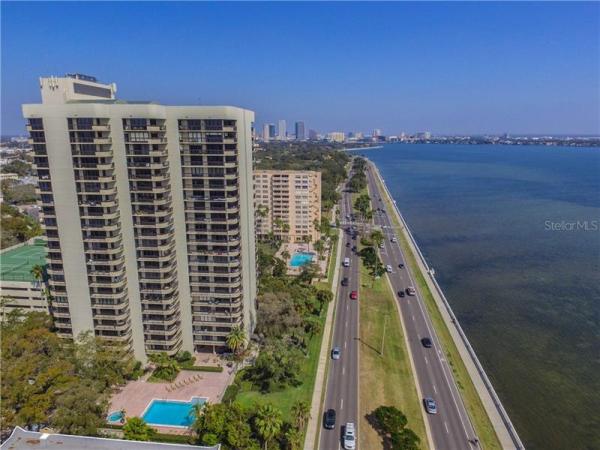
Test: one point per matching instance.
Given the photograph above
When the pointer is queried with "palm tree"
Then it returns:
(236, 339)
(268, 422)
(38, 273)
(293, 439)
(301, 412)
(377, 237)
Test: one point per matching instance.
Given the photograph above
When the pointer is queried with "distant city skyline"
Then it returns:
(447, 68)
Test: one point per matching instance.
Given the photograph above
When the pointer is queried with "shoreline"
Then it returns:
(498, 416)
(362, 148)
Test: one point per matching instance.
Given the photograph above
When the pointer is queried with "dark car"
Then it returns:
(400, 293)
(345, 281)
(353, 237)
(401, 266)
(347, 244)
(354, 248)
(426, 342)
(329, 419)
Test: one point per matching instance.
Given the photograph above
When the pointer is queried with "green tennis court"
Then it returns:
(16, 264)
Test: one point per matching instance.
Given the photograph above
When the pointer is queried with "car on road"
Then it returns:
(401, 294)
(336, 353)
(329, 419)
(411, 290)
(354, 248)
(394, 239)
(426, 342)
(354, 295)
(346, 262)
(381, 246)
(430, 405)
(349, 436)
(345, 281)
(347, 244)
(388, 268)
(353, 237)
(400, 266)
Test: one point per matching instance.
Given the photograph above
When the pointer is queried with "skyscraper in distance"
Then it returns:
(299, 129)
(282, 130)
(272, 131)
(266, 132)
(148, 212)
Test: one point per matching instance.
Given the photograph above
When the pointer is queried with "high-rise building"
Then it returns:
(287, 203)
(148, 212)
(312, 135)
(272, 131)
(299, 128)
(265, 135)
(282, 130)
(337, 136)
(376, 132)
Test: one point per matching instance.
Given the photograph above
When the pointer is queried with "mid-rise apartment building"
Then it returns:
(288, 204)
(148, 214)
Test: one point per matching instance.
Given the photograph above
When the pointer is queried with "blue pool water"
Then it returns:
(171, 413)
(116, 416)
(301, 259)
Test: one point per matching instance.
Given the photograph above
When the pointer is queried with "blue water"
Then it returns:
(116, 416)
(496, 223)
(301, 259)
(171, 412)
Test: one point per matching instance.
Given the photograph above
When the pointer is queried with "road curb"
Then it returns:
(320, 387)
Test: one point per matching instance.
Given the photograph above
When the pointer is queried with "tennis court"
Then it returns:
(16, 264)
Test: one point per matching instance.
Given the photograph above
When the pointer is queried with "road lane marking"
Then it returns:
(342, 404)
(446, 426)
(344, 370)
(345, 344)
(434, 389)
(426, 360)
(413, 317)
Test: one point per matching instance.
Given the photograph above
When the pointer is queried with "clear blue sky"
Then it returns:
(443, 67)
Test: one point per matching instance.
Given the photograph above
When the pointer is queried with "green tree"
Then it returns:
(377, 237)
(236, 339)
(80, 410)
(308, 273)
(324, 297)
(301, 414)
(136, 429)
(391, 424)
(292, 438)
(285, 255)
(319, 247)
(268, 423)
(166, 368)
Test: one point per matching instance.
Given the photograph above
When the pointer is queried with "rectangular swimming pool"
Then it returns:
(171, 413)
(301, 258)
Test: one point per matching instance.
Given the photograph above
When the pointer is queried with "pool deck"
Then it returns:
(137, 395)
(294, 247)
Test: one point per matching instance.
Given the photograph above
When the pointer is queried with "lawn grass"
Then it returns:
(384, 380)
(483, 426)
(285, 398)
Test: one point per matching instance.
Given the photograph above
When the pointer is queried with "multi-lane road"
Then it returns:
(450, 428)
(342, 381)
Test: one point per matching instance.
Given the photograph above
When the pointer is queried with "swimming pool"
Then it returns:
(171, 413)
(301, 259)
(116, 416)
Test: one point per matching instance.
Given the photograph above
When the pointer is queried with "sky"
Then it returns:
(449, 68)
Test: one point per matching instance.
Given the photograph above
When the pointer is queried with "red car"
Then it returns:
(354, 295)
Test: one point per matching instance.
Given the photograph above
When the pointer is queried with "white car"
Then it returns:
(394, 239)
(388, 268)
(349, 436)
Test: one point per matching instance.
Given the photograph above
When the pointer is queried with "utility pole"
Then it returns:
(383, 335)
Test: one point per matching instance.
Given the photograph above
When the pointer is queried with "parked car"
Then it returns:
(329, 419)
(354, 295)
(426, 342)
(400, 293)
(336, 353)
(349, 436)
(430, 405)
(411, 290)
(345, 281)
